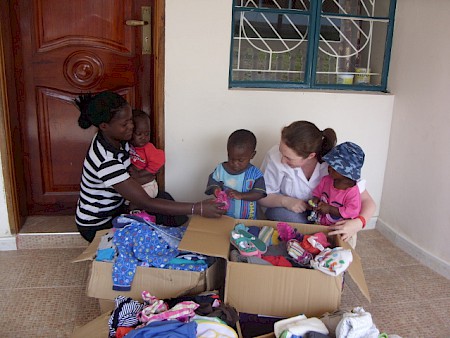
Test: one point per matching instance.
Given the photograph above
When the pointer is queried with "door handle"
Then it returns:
(146, 12)
(136, 23)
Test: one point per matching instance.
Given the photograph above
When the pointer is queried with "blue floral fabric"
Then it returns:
(140, 241)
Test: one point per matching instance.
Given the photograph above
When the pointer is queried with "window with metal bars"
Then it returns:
(323, 44)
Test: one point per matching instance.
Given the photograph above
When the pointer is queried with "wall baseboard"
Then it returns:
(8, 243)
(423, 256)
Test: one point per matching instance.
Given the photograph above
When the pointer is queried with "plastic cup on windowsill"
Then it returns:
(362, 76)
(346, 79)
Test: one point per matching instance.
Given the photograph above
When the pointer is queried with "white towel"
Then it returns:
(357, 324)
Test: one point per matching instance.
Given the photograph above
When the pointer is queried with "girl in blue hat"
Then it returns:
(337, 196)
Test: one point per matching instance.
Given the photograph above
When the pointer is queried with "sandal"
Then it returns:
(246, 243)
(245, 247)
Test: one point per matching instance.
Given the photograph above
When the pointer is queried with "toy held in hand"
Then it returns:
(222, 197)
(314, 216)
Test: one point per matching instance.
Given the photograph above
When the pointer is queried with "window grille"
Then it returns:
(325, 44)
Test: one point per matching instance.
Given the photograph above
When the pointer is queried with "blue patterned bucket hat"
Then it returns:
(347, 159)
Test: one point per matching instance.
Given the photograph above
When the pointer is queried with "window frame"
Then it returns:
(315, 15)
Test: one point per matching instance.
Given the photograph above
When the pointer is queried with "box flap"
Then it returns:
(355, 270)
(208, 236)
(305, 229)
(97, 328)
(162, 283)
(91, 251)
(211, 236)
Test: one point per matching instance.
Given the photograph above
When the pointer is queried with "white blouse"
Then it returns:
(282, 179)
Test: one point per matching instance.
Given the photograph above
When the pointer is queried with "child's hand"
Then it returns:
(217, 191)
(323, 208)
(234, 194)
(133, 171)
(312, 203)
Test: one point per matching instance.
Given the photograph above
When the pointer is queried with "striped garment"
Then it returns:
(249, 180)
(103, 167)
(124, 314)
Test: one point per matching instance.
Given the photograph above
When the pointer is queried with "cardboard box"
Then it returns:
(271, 290)
(162, 283)
(97, 328)
(260, 289)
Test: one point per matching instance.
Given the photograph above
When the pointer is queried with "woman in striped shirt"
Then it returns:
(105, 181)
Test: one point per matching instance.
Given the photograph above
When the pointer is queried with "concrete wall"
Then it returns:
(415, 205)
(201, 111)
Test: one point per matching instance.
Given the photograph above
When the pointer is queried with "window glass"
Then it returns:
(277, 4)
(341, 44)
(269, 46)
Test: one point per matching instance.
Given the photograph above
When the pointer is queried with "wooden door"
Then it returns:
(63, 48)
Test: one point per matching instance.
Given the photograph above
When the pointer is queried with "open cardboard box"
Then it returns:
(162, 283)
(259, 289)
(271, 290)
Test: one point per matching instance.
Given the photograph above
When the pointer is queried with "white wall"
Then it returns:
(415, 204)
(201, 111)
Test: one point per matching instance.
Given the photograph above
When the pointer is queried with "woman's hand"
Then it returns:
(209, 208)
(346, 228)
(293, 204)
(349, 227)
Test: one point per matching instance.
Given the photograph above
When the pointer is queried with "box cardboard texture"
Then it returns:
(271, 290)
(162, 283)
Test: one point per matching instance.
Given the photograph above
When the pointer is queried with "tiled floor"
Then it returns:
(43, 294)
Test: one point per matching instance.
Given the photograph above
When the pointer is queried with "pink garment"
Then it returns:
(222, 197)
(348, 201)
(182, 312)
(285, 231)
(147, 157)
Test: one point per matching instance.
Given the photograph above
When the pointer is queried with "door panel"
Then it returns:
(67, 48)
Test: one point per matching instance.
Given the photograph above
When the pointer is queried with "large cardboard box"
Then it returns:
(259, 289)
(271, 290)
(162, 283)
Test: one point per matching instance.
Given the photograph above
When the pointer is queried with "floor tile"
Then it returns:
(43, 287)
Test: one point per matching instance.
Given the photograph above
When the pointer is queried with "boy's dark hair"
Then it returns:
(99, 108)
(242, 138)
(137, 113)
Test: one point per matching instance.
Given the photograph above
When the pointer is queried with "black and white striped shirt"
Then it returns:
(103, 167)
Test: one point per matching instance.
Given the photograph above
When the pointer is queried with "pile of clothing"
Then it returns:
(135, 241)
(356, 323)
(285, 246)
(203, 315)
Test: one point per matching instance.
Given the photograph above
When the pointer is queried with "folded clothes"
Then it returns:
(332, 261)
(299, 254)
(357, 324)
(298, 326)
(266, 234)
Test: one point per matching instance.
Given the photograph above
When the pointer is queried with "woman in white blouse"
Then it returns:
(294, 168)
